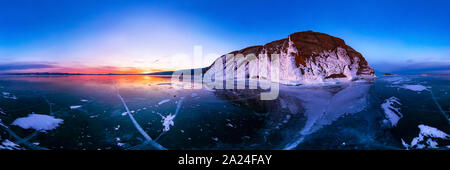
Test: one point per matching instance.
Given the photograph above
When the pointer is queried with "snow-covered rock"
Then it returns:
(305, 58)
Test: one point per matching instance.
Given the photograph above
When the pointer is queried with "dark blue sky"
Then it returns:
(85, 33)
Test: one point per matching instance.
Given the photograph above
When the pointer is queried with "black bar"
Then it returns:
(170, 159)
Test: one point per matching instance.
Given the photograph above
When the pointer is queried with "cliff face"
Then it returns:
(306, 57)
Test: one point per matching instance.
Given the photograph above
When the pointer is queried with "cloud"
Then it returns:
(34, 67)
(24, 66)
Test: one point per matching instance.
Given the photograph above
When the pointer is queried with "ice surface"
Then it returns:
(38, 122)
(168, 120)
(391, 112)
(292, 113)
(322, 107)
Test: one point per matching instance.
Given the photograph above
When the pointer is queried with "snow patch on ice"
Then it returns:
(75, 107)
(2, 112)
(1, 124)
(168, 121)
(432, 132)
(208, 89)
(396, 79)
(8, 95)
(163, 101)
(429, 132)
(38, 122)
(391, 112)
(417, 88)
(8, 145)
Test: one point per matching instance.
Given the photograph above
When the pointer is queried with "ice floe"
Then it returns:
(392, 112)
(431, 133)
(38, 122)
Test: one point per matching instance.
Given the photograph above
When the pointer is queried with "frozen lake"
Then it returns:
(85, 112)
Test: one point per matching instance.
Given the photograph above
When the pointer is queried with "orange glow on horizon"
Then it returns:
(95, 70)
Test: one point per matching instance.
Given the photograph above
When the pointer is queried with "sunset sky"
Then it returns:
(108, 36)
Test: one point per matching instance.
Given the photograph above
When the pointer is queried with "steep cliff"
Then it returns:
(305, 57)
